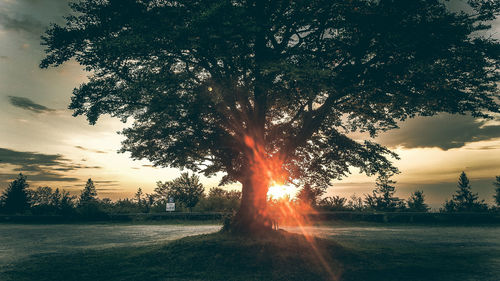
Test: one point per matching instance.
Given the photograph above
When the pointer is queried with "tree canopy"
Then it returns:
(185, 189)
(270, 90)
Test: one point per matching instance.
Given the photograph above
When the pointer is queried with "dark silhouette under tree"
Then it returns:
(267, 91)
(15, 199)
(464, 200)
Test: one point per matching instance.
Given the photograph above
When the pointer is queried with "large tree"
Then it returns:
(268, 91)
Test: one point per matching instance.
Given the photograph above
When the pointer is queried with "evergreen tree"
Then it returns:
(416, 202)
(497, 191)
(464, 200)
(382, 197)
(138, 197)
(15, 199)
(89, 194)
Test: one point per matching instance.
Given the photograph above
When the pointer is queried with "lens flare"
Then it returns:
(279, 191)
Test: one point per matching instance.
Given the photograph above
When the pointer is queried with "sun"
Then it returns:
(279, 191)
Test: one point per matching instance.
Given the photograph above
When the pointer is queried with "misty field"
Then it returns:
(146, 252)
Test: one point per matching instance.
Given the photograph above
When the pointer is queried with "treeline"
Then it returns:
(383, 199)
(187, 192)
(189, 195)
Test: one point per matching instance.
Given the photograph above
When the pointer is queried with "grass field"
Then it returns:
(345, 252)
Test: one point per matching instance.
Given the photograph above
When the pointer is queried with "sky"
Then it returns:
(40, 137)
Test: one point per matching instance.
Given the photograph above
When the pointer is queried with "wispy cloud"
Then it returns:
(27, 104)
(88, 149)
(39, 166)
(21, 23)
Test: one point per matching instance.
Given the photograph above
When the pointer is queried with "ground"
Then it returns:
(344, 252)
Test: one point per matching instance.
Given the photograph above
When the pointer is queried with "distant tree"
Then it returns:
(88, 204)
(138, 197)
(43, 195)
(15, 199)
(464, 200)
(66, 204)
(187, 190)
(416, 202)
(333, 203)
(162, 191)
(497, 191)
(310, 195)
(382, 197)
(270, 90)
(220, 200)
(43, 200)
(355, 203)
(88, 194)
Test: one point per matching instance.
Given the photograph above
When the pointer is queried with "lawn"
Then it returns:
(281, 256)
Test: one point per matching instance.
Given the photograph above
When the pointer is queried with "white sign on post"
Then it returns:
(170, 207)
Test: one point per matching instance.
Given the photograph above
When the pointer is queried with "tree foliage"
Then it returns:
(220, 200)
(310, 195)
(382, 197)
(15, 199)
(198, 76)
(334, 203)
(464, 200)
(88, 194)
(185, 189)
(45, 200)
(416, 202)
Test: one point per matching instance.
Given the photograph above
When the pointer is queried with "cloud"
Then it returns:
(88, 149)
(21, 23)
(444, 131)
(38, 166)
(28, 104)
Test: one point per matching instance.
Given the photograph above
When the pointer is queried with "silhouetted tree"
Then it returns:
(382, 197)
(497, 191)
(43, 200)
(333, 203)
(416, 202)
(355, 203)
(464, 200)
(269, 90)
(88, 194)
(66, 204)
(220, 200)
(88, 204)
(138, 196)
(15, 199)
(310, 195)
(187, 190)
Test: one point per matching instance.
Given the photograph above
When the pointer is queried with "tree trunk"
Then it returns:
(252, 216)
